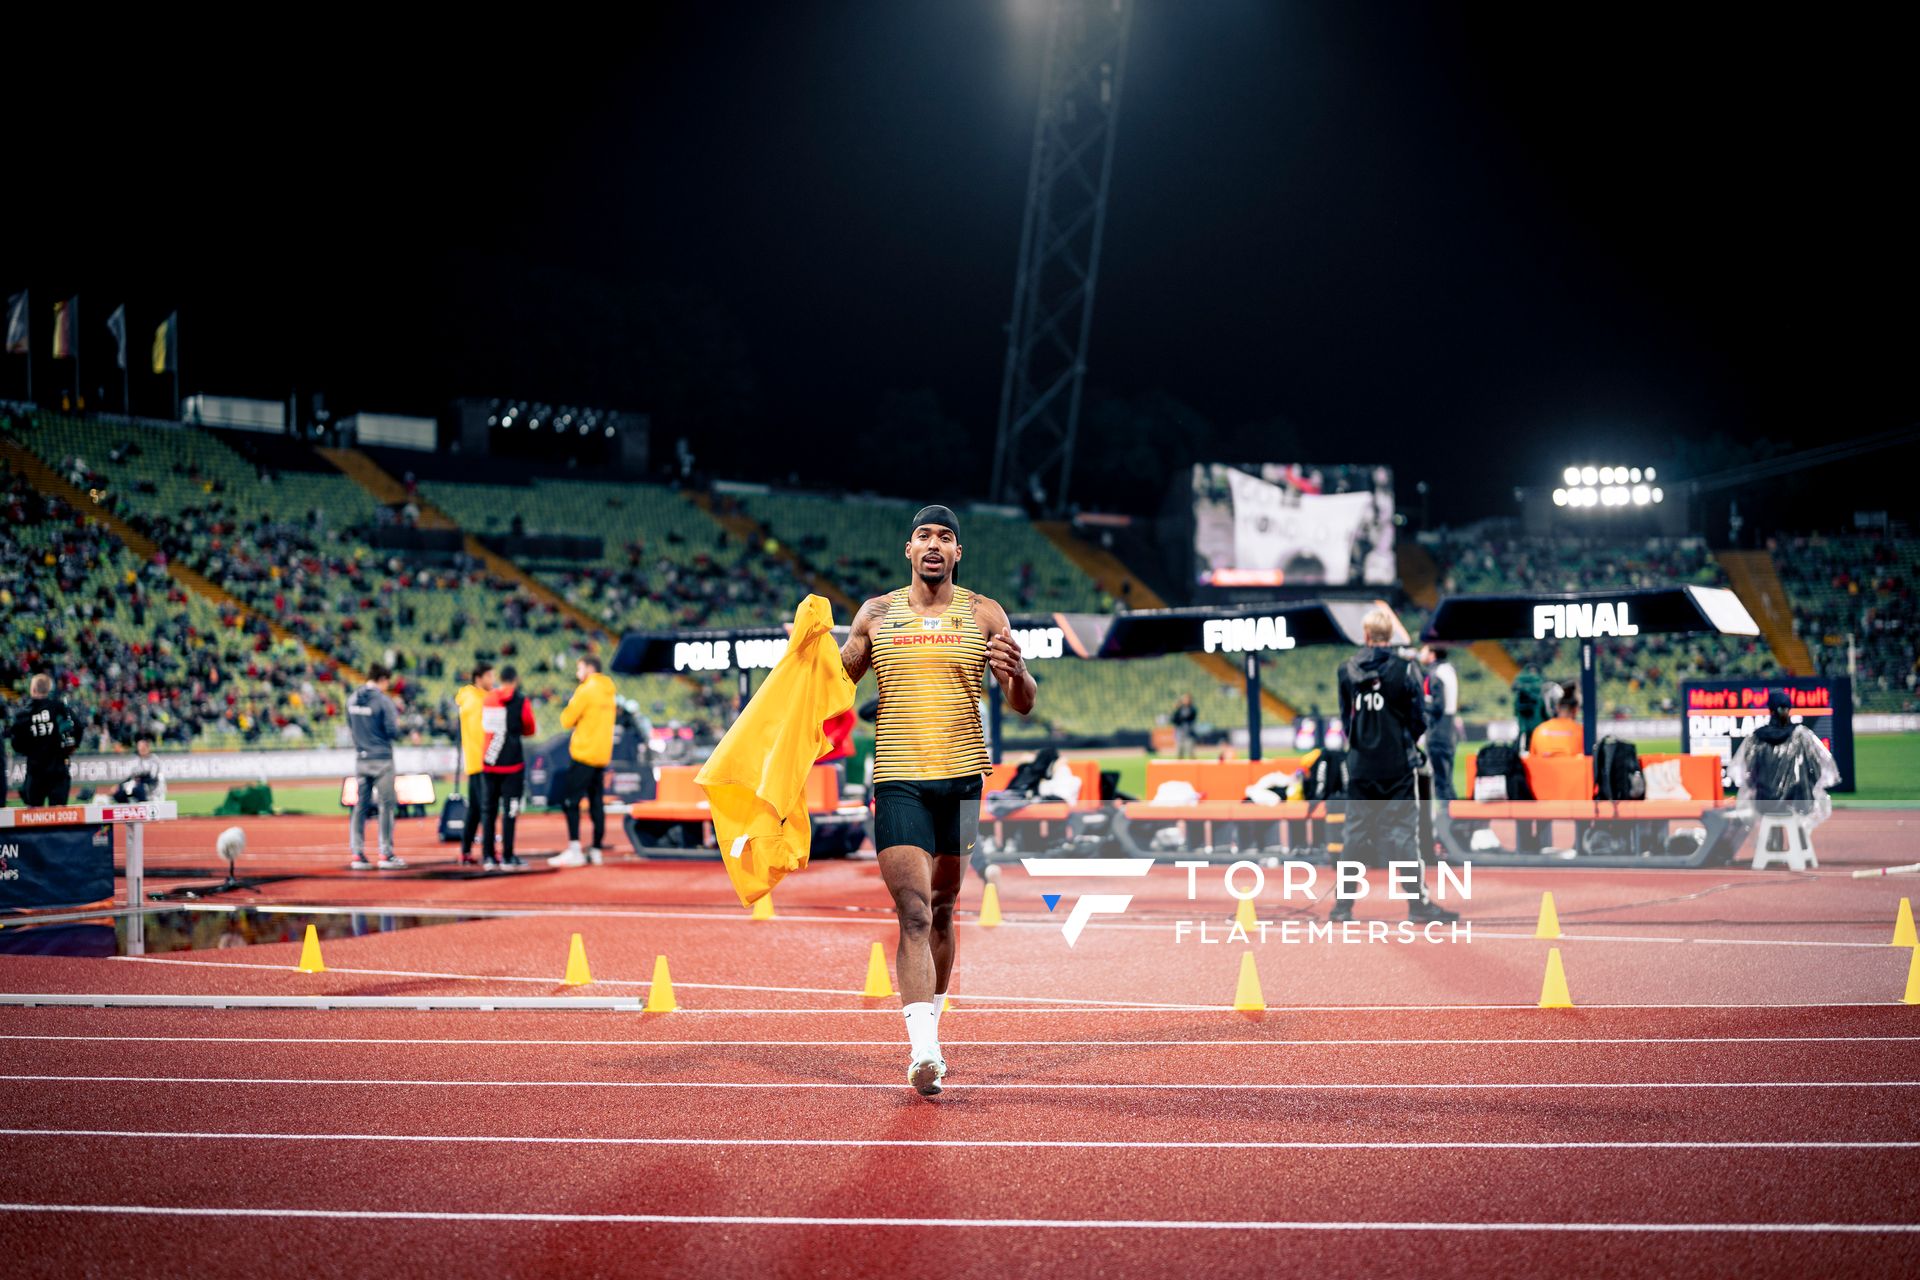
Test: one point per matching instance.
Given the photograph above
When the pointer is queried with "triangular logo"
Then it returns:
(1051, 899)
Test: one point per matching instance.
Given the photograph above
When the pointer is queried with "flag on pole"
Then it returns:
(117, 325)
(65, 314)
(163, 344)
(18, 343)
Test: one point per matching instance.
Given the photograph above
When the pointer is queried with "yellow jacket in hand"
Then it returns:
(589, 713)
(756, 779)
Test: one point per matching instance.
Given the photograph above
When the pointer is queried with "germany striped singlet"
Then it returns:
(929, 670)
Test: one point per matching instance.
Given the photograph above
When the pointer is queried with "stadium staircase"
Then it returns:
(754, 534)
(1110, 573)
(387, 491)
(1420, 579)
(1757, 582)
(44, 479)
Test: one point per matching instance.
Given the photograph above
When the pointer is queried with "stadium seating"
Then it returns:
(134, 652)
(1853, 601)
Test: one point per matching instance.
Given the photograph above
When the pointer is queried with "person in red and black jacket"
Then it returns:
(504, 721)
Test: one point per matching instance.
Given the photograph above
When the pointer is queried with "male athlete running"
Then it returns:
(927, 644)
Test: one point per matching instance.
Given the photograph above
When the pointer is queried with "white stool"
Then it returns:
(1797, 856)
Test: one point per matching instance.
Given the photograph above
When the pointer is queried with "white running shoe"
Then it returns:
(571, 858)
(359, 864)
(594, 856)
(393, 862)
(925, 1076)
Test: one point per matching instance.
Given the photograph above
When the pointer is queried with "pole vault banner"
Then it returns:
(1721, 713)
(1591, 615)
(1144, 633)
(760, 648)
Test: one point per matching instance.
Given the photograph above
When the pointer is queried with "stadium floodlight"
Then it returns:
(1606, 475)
(1650, 477)
(609, 432)
(1559, 497)
(1634, 475)
(1658, 496)
(1571, 475)
(1642, 495)
(1589, 475)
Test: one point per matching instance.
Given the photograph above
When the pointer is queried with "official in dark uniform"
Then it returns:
(1382, 703)
(45, 733)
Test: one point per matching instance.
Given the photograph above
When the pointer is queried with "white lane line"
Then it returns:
(1263, 1086)
(65, 999)
(896, 1043)
(1068, 1224)
(1012, 1143)
(617, 982)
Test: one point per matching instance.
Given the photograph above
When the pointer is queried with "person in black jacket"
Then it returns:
(1382, 703)
(45, 733)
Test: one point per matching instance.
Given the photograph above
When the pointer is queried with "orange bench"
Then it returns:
(1571, 778)
(677, 798)
(1088, 771)
(1216, 780)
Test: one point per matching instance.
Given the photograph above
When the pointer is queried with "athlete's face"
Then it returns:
(933, 551)
(488, 680)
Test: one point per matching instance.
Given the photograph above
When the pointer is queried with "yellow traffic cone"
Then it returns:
(879, 986)
(763, 909)
(990, 907)
(1913, 980)
(577, 973)
(1244, 917)
(1549, 926)
(1903, 935)
(1246, 996)
(660, 990)
(310, 961)
(1553, 992)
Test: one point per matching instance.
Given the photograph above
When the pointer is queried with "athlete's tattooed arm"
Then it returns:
(856, 655)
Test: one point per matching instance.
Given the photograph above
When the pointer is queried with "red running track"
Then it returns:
(1737, 1091)
(1768, 1143)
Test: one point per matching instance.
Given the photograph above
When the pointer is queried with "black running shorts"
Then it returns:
(941, 816)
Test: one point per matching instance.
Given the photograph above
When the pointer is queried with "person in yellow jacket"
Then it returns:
(589, 713)
(473, 743)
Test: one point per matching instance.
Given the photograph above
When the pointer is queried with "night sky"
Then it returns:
(1474, 243)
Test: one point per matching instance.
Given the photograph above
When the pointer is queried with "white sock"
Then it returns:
(923, 1030)
(939, 1007)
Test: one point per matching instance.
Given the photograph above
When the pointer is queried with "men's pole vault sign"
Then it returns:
(1720, 714)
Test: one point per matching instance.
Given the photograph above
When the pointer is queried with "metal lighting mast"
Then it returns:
(1053, 288)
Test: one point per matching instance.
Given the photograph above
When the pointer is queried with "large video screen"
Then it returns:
(1274, 525)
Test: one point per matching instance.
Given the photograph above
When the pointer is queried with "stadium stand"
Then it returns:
(1854, 603)
(136, 653)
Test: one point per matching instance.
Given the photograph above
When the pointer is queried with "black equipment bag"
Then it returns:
(453, 818)
(1503, 761)
(1327, 779)
(1616, 771)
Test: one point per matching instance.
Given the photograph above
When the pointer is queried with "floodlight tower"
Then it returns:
(1053, 289)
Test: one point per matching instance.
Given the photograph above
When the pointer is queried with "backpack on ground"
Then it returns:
(453, 818)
